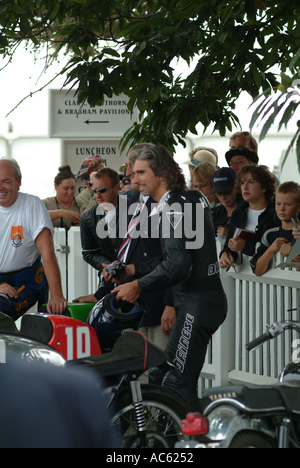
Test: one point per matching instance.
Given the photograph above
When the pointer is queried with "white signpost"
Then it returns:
(89, 131)
(76, 150)
(70, 119)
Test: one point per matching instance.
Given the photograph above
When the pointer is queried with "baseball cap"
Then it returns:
(200, 157)
(251, 155)
(89, 163)
(223, 180)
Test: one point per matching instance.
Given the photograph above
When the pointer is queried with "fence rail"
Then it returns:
(253, 302)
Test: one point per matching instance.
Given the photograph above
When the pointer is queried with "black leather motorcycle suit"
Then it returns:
(190, 266)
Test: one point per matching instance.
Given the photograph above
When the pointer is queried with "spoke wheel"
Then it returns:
(163, 411)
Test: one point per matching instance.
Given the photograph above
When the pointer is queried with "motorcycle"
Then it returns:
(143, 415)
(250, 416)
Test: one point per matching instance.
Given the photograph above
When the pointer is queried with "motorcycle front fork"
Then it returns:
(137, 398)
(284, 433)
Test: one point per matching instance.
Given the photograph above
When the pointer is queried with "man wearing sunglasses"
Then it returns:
(104, 215)
(88, 167)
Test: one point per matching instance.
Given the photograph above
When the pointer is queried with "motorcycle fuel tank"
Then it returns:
(290, 372)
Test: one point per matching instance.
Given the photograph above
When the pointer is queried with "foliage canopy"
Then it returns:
(131, 46)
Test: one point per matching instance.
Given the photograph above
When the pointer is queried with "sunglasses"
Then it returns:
(126, 181)
(102, 190)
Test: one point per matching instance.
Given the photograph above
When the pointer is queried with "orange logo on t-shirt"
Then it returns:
(17, 235)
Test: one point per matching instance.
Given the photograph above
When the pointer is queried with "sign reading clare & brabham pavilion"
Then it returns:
(71, 119)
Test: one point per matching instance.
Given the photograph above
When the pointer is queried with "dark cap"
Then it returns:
(223, 180)
(251, 155)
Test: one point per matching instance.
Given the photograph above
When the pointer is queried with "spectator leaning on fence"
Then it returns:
(256, 214)
(26, 239)
(281, 238)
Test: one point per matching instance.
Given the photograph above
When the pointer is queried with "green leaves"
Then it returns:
(280, 105)
(132, 47)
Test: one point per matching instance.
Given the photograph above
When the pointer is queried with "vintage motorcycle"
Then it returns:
(244, 416)
(143, 415)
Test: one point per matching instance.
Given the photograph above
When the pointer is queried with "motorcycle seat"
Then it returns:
(283, 397)
(132, 352)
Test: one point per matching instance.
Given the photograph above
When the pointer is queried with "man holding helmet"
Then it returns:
(189, 266)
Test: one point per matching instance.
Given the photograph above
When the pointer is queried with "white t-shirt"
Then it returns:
(252, 218)
(20, 224)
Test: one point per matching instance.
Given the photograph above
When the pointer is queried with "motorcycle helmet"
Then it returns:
(111, 318)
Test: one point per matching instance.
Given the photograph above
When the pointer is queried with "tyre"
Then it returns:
(250, 440)
(163, 411)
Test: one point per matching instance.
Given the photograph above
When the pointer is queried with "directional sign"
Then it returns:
(70, 119)
(76, 150)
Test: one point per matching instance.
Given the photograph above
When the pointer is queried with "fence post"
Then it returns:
(77, 267)
(60, 242)
(224, 338)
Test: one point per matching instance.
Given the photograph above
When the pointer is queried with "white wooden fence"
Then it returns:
(253, 302)
(78, 278)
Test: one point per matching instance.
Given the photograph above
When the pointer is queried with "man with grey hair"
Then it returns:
(26, 238)
(160, 313)
(189, 266)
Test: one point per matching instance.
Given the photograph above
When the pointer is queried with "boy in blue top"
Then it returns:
(281, 238)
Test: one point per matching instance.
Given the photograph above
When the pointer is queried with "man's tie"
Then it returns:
(130, 229)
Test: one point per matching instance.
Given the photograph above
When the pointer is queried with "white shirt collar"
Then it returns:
(163, 199)
(144, 199)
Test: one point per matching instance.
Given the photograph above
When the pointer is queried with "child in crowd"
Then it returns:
(281, 238)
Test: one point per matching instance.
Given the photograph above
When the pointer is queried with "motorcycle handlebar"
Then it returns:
(258, 341)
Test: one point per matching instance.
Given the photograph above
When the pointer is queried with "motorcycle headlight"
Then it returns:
(44, 355)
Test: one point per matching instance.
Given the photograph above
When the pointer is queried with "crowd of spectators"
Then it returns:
(245, 201)
(250, 212)
(250, 208)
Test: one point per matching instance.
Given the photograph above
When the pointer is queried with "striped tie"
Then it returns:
(130, 229)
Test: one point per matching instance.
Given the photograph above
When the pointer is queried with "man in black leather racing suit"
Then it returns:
(189, 265)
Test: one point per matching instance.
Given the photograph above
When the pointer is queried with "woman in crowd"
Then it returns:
(63, 209)
(201, 155)
(241, 157)
(256, 213)
(201, 179)
(224, 188)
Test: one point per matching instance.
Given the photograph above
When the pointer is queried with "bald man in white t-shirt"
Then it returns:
(25, 238)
